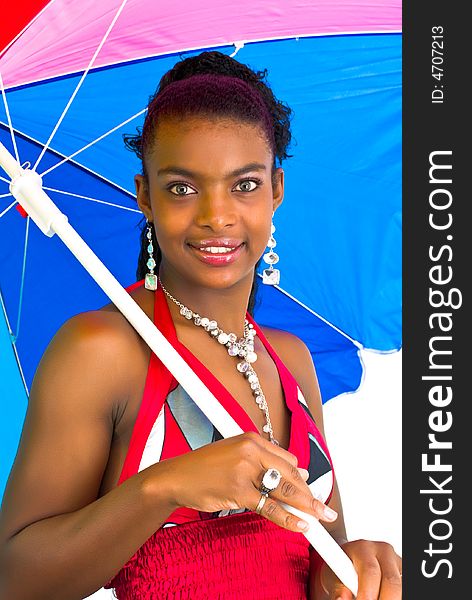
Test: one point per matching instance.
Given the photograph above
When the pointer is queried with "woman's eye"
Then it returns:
(181, 189)
(249, 185)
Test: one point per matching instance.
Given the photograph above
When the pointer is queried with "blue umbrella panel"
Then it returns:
(338, 229)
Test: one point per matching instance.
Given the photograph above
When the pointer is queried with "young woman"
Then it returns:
(120, 481)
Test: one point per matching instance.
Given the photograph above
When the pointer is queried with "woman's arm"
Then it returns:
(57, 540)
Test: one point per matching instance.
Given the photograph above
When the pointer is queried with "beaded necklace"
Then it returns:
(242, 348)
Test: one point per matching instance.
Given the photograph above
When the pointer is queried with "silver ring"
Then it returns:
(261, 503)
(270, 481)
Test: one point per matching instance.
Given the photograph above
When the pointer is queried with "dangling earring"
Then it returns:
(271, 276)
(150, 281)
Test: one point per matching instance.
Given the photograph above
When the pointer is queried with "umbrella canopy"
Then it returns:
(337, 64)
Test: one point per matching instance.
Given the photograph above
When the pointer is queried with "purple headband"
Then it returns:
(211, 94)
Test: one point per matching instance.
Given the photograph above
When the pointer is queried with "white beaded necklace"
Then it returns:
(241, 348)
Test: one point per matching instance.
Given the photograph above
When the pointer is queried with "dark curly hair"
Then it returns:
(215, 85)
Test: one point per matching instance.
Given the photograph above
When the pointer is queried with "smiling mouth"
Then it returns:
(217, 249)
(217, 255)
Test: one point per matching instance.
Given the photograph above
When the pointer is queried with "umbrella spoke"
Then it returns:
(310, 310)
(23, 269)
(7, 111)
(88, 169)
(91, 199)
(67, 158)
(13, 341)
(4, 212)
(79, 85)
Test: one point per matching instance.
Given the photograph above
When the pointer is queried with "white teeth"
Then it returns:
(216, 249)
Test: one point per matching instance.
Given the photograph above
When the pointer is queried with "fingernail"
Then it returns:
(329, 513)
(303, 525)
(304, 473)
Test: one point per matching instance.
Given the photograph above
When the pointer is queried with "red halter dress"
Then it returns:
(227, 555)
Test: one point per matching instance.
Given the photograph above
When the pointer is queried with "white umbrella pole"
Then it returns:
(26, 187)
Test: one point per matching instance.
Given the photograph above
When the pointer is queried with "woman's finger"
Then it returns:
(391, 588)
(342, 594)
(293, 490)
(272, 510)
(370, 577)
(379, 570)
(304, 473)
(391, 565)
(332, 586)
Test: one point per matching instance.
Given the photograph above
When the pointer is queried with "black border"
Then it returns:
(429, 127)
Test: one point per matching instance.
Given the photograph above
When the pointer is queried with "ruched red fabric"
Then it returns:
(242, 556)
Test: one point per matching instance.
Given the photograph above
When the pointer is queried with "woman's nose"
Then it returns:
(216, 210)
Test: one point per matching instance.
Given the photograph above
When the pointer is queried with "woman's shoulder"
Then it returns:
(107, 325)
(104, 329)
(104, 343)
(290, 348)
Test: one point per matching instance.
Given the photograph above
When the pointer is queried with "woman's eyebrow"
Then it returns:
(172, 170)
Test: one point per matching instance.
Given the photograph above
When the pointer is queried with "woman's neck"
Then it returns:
(226, 306)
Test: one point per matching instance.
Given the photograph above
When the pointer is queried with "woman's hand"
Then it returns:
(379, 570)
(227, 474)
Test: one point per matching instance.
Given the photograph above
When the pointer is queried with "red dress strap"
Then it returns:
(159, 382)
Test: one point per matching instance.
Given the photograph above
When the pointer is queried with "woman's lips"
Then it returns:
(220, 259)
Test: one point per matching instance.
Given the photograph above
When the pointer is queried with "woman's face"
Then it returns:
(211, 199)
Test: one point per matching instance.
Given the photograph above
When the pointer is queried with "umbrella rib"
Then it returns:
(91, 199)
(310, 310)
(10, 126)
(13, 340)
(79, 85)
(8, 208)
(77, 164)
(23, 269)
(67, 158)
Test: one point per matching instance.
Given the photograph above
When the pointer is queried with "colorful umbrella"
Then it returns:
(337, 64)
